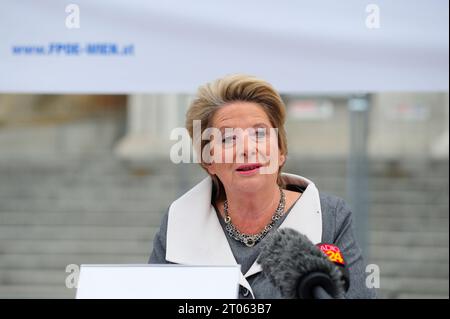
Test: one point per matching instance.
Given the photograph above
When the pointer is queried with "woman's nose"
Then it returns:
(246, 148)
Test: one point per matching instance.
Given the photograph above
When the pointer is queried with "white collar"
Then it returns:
(195, 236)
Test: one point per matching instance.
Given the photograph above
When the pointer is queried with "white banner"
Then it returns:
(132, 46)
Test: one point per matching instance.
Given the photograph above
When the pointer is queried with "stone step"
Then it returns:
(25, 246)
(43, 291)
(396, 253)
(409, 295)
(141, 233)
(115, 193)
(409, 238)
(96, 182)
(405, 169)
(294, 161)
(87, 232)
(387, 184)
(414, 268)
(407, 210)
(148, 219)
(164, 199)
(421, 198)
(83, 176)
(153, 218)
(39, 206)
(87, 169)
(88, 193)
(393, 287)
(378, 254)
(33, 277)
(394, 223)
(60, 261)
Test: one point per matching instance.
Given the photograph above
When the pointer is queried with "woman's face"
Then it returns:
(248, 148)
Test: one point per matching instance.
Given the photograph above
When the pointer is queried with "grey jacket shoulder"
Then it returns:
(335, 214)
(338, 229)
(158, 255)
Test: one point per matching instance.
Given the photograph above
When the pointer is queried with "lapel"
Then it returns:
(195, 236)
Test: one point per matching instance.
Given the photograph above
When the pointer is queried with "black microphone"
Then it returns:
(299, 268)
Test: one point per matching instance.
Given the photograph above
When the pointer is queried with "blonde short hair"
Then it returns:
(233, 88)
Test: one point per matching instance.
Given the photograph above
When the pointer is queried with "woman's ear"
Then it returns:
(282, 159)
(210, 168)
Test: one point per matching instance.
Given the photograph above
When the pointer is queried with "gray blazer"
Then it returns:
(337, 228)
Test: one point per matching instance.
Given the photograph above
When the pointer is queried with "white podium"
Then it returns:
(158, 282)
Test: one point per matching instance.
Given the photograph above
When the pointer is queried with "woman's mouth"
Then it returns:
(248, 169)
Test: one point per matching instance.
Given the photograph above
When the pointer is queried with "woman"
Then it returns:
(225, 218)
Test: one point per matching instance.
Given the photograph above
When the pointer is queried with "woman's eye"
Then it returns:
(228, 139)
(260, 133)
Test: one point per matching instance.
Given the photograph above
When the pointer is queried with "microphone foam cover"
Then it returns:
(288, 256)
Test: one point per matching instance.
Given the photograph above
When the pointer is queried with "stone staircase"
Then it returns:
(408, 224)
(94, 209)
(66, 211)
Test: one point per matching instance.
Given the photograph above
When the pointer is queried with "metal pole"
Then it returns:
(357, 167)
